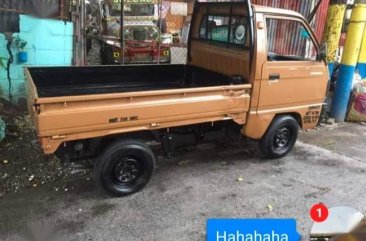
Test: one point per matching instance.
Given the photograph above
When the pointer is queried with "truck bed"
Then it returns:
(72, 81)
(73, 103)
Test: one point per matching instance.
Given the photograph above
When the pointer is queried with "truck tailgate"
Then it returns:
(80, 117)
(32, 96)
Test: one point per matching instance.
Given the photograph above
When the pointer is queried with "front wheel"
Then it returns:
(125, 167)
(280, 137)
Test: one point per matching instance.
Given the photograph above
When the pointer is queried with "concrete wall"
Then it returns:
(49, 43)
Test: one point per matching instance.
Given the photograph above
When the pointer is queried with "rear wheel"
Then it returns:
(125, 167)
(280, 137)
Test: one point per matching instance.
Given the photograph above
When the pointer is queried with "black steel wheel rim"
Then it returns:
(282, 138)
(127, 171)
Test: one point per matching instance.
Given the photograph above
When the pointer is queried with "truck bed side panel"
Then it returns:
(127, 112)
(158, 110)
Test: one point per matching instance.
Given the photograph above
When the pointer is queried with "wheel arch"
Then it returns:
(258, 124)
(295, 115)
(93, 147)
(280, 137)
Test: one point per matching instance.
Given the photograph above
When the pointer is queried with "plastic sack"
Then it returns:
(360, 87)
(357, 80)
(357, 110)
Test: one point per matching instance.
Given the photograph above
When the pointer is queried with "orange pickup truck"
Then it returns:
(251, 70)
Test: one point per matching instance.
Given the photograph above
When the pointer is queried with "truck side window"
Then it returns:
(289, 40)
(217, 28)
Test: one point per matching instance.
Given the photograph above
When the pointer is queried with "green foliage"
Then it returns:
(2, 63)
(19, 43)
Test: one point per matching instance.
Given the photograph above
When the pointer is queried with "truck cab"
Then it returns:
(274, 50)
(251, 70)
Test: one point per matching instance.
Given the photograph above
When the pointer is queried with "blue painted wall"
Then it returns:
(49, 43)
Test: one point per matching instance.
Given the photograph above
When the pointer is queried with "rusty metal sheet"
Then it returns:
(9, 22)
(304, 7)
(10, 10)
(39, 8)
(321, 18)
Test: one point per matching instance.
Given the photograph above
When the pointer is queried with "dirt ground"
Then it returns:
(22, 164)
(40, 193)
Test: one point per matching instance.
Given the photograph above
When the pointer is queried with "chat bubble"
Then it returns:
(252, 230)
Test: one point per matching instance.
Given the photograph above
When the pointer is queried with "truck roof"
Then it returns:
(264, 9)
(260, 8)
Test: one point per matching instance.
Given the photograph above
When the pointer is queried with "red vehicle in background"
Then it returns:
(141, 36)
(141, 45)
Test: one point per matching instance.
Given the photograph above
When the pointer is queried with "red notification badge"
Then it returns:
(319, 213)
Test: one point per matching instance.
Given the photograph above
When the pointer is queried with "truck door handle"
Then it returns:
(274, 77)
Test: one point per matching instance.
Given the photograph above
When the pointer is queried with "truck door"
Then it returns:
(292, 77)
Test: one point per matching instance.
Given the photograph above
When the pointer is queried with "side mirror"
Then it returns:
(323, 51)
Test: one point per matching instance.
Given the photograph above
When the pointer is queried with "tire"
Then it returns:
(280, 137)
(125, 168)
